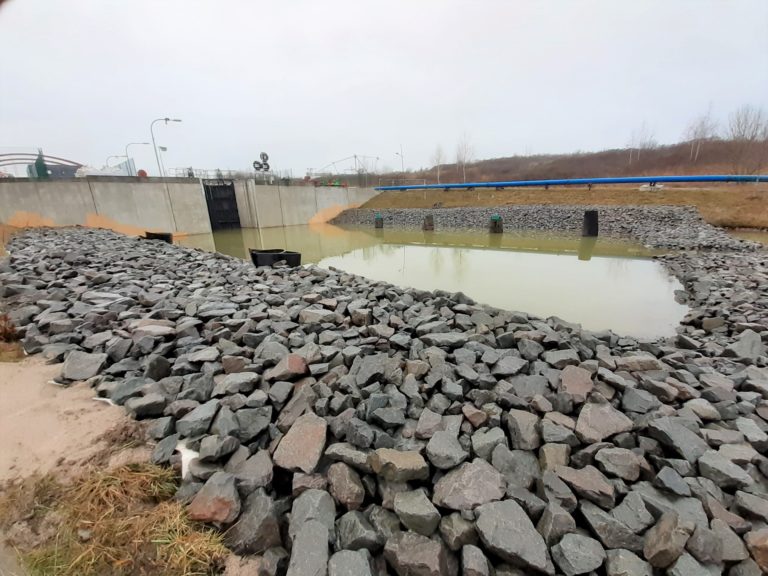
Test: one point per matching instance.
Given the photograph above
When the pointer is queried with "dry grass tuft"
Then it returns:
(7, 329)
(117, 522)
(10, 347)
(28, 499)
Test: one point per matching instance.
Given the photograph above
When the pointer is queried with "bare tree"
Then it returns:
(464, 152)
(631, 145)
(438, 158)
(748, 131)
(641, 139)
(702, 129)
(646, 139)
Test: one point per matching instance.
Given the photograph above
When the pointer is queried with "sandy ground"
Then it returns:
(46, 428)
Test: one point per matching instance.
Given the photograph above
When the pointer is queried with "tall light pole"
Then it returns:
(402, 160)
(152, 132)
(128, 158)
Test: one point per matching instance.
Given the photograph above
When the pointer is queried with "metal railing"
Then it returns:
(652, 180)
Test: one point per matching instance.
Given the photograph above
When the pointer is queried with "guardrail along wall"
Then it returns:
(652, 180)
(128, 205)
(271, 206)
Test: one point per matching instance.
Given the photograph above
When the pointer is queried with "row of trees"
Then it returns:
(745, 133)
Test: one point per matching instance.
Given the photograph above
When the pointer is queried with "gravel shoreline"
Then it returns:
(341, 425)
(668, 227)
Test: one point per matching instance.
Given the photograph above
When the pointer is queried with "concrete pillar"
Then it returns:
(590, 225)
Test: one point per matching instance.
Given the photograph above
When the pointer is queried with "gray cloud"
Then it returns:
(312, 82)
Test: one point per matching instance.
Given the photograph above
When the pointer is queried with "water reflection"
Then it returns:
(630, 296)
(598, 283)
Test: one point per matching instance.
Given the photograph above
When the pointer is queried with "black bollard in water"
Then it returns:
(378, 221)
(497, 224)
(590, 227)
(429, 223)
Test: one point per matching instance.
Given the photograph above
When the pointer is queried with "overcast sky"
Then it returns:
(314, 81)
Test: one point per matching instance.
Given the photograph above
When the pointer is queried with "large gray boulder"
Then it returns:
(673, 433)
(258, 527)
(411, 554)
(198, 421)
(309, 556)
(416, 512)
(468, 486)
(82, 365)
(312, 505)
(506, 531)
(576, 554)
(348, 563)
(355, 532)
(301, 448)
(444, 451)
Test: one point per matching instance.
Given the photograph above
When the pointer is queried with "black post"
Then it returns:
(163, 236)
(590, 226)
(429, 223)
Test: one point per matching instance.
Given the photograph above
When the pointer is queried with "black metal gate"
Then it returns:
(222, 205)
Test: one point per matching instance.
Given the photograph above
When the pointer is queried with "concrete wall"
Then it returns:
(133, 205)
(272, 206)
(128, 205)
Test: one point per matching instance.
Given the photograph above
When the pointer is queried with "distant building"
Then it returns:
(55, 172)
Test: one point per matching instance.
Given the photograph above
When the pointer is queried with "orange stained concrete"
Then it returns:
(327, 214)
(101, 221)
(23, 219)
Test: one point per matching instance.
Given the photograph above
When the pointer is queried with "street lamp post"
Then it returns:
(402, 160)
(128, 158)
(152, 132)
(106, 163)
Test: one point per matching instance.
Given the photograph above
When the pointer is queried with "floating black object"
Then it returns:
(164, 236)
(274, 255)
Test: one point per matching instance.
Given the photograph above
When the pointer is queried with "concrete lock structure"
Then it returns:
(180, 206)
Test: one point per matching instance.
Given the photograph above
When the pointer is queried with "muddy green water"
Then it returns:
(600, 284)
(754, 235)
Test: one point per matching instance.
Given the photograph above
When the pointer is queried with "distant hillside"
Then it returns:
(715, 157)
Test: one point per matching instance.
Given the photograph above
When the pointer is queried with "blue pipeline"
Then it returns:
(582, 181)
